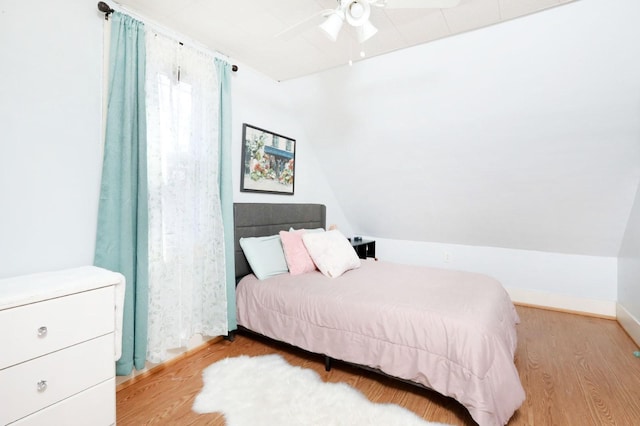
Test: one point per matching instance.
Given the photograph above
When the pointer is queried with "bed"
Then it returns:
(451, 331)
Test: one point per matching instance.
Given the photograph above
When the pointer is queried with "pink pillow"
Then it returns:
(295, 252)
(331, 252)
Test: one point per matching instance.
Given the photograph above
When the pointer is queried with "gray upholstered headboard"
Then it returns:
(262, 219)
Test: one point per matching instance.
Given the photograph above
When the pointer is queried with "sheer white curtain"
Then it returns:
(187, 287)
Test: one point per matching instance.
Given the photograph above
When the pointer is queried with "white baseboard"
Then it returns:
(600, 308)
(630, 323)
(195, 343)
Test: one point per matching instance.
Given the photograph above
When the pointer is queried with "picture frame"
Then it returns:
(268, 161)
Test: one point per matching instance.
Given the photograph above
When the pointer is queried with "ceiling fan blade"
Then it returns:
(421, 4)
(304, 25)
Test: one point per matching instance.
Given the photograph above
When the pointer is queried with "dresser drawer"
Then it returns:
(66, 373)
(39, 328)
(95, 406)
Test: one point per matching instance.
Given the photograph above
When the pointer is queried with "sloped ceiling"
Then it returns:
(523, 135)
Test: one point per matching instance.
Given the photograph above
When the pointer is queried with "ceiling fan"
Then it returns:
(357, 12)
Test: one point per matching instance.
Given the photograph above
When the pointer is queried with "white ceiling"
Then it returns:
(247, 30)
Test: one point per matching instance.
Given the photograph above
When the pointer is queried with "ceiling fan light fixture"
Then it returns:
(358, 12)
(365, 31)
(332, 26)
(356, 9)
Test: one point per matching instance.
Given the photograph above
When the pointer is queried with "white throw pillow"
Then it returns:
(331, 252)
(265, 255)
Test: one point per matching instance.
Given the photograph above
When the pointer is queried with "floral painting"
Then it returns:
(268, 161)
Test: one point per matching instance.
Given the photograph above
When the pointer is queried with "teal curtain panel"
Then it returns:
(226, 187)
(122, 231)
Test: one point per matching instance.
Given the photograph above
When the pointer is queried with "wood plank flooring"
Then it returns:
(576, 370)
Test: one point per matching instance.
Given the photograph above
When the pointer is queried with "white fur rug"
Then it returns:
(267, 391)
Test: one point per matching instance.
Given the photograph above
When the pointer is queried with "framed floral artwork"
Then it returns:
(268, 161)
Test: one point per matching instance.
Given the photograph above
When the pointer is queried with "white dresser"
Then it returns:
(57, 348)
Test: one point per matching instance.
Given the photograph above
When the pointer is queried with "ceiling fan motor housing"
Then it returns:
(357, 12)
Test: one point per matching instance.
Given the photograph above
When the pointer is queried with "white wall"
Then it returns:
(50, 134)
(51, 97)
(574, 282)
(267, 104)
(516, 146)
(570, 282)
(629, 274)
(521, 135)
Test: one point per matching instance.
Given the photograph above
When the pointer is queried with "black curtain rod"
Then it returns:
(107, 10)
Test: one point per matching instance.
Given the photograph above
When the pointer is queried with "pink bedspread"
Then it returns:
(449, 330)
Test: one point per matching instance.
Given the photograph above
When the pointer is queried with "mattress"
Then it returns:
(452, 331)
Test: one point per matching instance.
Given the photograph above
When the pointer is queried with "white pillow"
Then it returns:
(331, 252)
(307, 229)
(265, 255)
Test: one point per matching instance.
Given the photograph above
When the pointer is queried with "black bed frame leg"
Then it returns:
(231, 335)
(327, 363)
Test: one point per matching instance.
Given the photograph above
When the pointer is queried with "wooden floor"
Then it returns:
(576, 370)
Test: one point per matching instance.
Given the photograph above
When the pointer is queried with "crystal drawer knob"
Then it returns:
(42, 331)
(42, 385)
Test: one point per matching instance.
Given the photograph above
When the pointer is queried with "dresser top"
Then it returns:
(25, 289)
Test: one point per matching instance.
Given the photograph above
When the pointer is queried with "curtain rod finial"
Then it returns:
(106, 9)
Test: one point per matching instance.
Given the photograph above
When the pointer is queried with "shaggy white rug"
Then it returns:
(267, 391)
